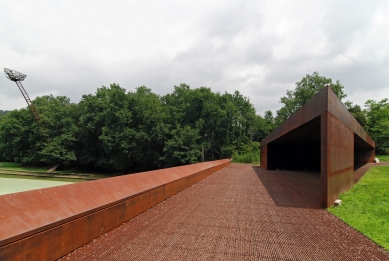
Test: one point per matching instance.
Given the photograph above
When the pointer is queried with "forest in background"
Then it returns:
(118, 131)
(121, 131)
(3, 113)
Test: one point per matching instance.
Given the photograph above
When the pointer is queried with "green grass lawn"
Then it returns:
(17, 166)
(365, 207)
(383, 158)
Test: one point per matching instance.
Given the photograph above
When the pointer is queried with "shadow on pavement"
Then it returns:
(297, 189)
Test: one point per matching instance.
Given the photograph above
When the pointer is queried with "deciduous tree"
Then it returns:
(305, 89)
(378, 123)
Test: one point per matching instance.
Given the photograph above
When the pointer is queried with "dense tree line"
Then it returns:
(118, 131)
(377, 123)
(3, 113)
(305, 89)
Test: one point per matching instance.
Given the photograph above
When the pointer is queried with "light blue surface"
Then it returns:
(14, 185)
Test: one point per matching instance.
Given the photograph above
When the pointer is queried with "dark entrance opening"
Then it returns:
(363, 152)
(298, 149)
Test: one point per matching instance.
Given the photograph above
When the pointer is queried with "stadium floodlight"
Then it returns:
(14, 75)
(17, 77)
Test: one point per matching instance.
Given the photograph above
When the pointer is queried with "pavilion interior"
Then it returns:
(362, 152)
(298, 149)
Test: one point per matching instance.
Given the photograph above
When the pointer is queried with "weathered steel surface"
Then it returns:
(362, 152)
(48, 223)
(323, 101)
(263, 157)
(242, 212)
(312, 109)
(340, 159)
(337, 108)
(324, 158)
(321, 135)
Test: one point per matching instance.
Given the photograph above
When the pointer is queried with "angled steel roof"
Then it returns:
(324, 101)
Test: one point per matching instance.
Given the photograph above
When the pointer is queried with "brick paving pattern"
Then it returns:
(241, 212)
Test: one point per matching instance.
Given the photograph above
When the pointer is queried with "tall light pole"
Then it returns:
(17, 77)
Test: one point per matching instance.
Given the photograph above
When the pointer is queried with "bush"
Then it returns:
(383, 158)
(248, 154)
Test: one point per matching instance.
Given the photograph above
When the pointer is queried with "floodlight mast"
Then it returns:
(17, 77)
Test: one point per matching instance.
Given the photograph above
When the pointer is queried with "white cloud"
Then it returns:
(260, 48)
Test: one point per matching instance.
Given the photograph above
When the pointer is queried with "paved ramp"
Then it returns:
(241, 212)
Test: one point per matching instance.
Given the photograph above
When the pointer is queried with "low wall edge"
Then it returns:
(32, 216)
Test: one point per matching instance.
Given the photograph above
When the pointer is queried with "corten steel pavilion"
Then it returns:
(323, 136)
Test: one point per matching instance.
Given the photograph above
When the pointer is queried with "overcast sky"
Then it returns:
(261, 48)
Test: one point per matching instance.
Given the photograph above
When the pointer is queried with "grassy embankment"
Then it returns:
(74, 172)
(17, 166)
(365, 207)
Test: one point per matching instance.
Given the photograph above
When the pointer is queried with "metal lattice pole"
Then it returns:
(17, 77)
(30, 105)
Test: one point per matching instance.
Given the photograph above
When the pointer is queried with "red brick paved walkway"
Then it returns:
(239, 213)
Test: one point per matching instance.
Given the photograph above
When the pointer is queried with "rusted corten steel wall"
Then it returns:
(312, 109)
(48, 223)
(337, 171)
(344, 144)
(263, 157)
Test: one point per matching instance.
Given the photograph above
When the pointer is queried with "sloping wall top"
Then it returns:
(325, 100)
(27, 213)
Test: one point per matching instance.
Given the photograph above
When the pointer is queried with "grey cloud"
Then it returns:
(286, 72)
(8, 88)
(362, 75)
(346, 23)
(233, 19)
(246, 58)
(260, 50)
